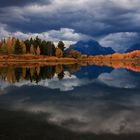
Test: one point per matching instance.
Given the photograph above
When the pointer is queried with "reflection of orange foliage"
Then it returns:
(117, 56)
(127, 65)
(127, 56)
(133, 55)
(58, 69)
(38, 70)
(117, 64)
(131, 65)
(129, 60)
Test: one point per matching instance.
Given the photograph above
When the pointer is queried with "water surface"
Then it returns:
(69, 102)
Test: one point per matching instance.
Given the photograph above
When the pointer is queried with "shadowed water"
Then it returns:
(69, 102)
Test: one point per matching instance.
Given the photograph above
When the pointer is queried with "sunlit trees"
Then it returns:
(74, 54)
(35, 46)
(58, 52)
(10, 42)
(32, 50)
(38, 51)
(61, 46)
(9, 46)
(22, 48)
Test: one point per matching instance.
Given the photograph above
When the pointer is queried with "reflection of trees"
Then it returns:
(11, 77)
(58, 69)
(47, 72)
(18, 73)
(61, 75)
(35, 74)
(50, 71)
(73, 68)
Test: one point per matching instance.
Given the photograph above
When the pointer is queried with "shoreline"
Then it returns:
(130, 64)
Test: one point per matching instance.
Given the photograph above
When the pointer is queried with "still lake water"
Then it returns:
(69, 103)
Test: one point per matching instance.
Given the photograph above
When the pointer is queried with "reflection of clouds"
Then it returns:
(90, 119)
(118, 78)
(92, 108)
(85, 113)
(66, 84)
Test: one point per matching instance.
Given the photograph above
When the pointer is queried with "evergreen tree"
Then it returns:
(27, 44)
(37, 42)
(43, 48)
(50, 48)
(61, 46)
(18, 49)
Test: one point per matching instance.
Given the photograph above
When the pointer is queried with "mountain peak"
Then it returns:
(91, 47)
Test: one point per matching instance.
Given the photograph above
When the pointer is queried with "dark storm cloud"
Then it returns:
(92, 18)
(7, 3)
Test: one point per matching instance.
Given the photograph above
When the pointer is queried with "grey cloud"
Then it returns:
(103, 20)
(120, 42)
(113, 79)
(89, 17)
(69, 36)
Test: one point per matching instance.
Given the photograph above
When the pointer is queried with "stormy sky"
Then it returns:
(114, 23)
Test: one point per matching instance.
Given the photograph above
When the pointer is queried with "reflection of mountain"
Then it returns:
(134, 47)
(92, 72)
(135, 74)
(91, 47)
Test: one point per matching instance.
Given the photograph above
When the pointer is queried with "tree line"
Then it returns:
(35, 46)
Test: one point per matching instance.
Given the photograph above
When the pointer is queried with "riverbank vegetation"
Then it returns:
(35, 72)
(35, 49)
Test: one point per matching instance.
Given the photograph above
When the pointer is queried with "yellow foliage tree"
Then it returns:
(74, 54)
(23, 47)
(32, 50)
(10, 45)
(38, 51)
(58, 52)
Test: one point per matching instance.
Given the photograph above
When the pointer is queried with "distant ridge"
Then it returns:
(133, 48)
(91, 47)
